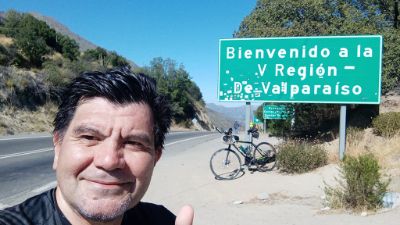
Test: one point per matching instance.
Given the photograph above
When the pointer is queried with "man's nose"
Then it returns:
(109, 156)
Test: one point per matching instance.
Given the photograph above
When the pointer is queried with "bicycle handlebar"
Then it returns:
(227, 132)
(252, 130)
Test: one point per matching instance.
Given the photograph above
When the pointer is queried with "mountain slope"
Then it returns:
(83, 43)
(219, 120)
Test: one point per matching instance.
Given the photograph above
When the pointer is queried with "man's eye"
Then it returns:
(88, 137)
(134, 144)
(131, 143)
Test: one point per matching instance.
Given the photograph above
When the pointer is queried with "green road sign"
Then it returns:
(329, 69)
(277, 112)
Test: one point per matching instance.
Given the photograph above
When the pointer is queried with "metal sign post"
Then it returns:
(342, 132)
(265, 126)
(248, 119)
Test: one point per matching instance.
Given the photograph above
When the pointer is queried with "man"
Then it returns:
(109, 134)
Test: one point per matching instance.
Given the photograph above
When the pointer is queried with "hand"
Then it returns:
(185, 216)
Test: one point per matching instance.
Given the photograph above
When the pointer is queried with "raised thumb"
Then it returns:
(185, 216)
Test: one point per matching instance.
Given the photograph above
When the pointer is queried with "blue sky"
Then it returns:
(185, 31)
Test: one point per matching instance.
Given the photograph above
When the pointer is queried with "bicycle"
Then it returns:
(226, 163)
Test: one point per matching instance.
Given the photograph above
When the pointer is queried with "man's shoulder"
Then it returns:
(149, 213)
(35, 210)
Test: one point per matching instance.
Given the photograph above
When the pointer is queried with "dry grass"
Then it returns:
(6, 41)
(14, 121)
(386, 150)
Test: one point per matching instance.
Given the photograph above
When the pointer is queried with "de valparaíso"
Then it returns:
(284, 88)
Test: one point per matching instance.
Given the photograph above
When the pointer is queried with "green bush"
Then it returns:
(300, 157)
(361, 187)
(387, 124)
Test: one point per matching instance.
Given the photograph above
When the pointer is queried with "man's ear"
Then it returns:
(57, 146)
(157, 155)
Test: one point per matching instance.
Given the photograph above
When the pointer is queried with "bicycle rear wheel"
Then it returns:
(265, 157)
(225, 164)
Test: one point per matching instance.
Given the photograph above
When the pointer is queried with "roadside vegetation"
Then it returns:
(387, 124)
(360, 186)
(299, 156)
(385, 148)
(365, 173)
(14, 120)
(371, 159)
(36, 62)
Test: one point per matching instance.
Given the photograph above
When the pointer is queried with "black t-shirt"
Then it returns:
(43, 210)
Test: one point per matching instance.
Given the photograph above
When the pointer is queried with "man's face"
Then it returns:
(105, 160)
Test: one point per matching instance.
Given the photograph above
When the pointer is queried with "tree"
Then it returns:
(68, 47)
(36, 39)
(333, 17)
(11, 21)
(104, 58)
(33, 48)
(175, 83)
(117, 60)
(328, 17)
(30, 36)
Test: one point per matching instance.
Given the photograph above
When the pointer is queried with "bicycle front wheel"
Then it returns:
(265, 157)
(225, 164)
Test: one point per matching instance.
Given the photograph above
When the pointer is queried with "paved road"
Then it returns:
(15, 145)
(26, 162)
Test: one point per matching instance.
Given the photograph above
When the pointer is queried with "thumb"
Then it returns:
(185, 216)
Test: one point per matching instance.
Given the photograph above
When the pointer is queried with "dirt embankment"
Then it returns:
(391, 101)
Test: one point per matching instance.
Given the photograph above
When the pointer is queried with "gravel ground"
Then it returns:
(255, 198)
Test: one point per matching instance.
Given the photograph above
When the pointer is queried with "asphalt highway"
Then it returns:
(26, 162)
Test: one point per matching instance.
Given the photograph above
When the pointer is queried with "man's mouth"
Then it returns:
(104, 184)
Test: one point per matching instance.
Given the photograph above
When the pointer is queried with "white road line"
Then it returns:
(176, 142)
(18, 138)
(44, 187)
(25, 153)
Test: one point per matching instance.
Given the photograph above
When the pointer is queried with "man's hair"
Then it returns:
(119, 86)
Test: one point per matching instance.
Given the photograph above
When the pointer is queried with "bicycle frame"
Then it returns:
(253, 146)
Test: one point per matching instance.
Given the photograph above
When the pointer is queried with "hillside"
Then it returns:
(37, 61)
(391, 101)
(82, 42)
(219, 119)
(233, 113)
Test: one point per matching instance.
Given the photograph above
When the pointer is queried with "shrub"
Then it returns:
(22, 89)
(361, 186)
(300, 157)
(387, 124)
